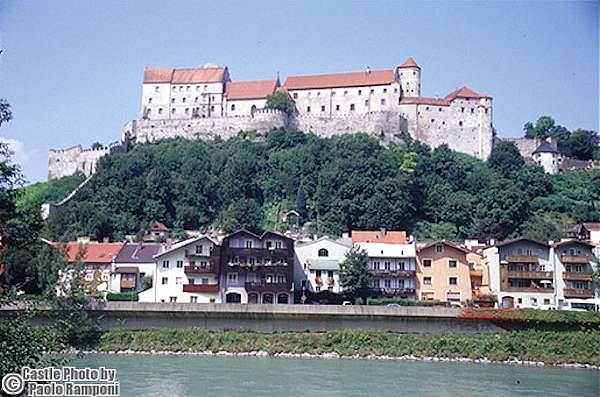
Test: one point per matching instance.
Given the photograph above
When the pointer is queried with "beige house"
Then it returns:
(443, 273)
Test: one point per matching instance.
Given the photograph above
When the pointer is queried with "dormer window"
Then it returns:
(439, 248)
(323, 252)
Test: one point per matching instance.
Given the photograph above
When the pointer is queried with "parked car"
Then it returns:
(346, 303)
(393, 305)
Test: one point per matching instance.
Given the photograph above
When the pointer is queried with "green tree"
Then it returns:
(242, 214)
(506, 159)
(355, 278)
(458, 210)
(281, 100)
(546, 127)
(582, 144)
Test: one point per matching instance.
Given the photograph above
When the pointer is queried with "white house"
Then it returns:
(133, 262)
(317, 265)
(186, 272)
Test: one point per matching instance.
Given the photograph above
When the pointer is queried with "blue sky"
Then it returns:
(72, 70)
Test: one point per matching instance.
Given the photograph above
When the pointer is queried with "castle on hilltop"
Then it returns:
(203, 103)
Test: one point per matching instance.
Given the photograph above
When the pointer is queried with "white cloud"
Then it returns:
(21, 156)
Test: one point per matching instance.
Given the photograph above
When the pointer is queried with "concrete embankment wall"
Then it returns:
(278, 318)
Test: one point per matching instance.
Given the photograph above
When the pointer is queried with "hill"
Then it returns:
(337, 184)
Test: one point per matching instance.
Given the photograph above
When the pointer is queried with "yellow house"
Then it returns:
(590, 231)
(443, 273)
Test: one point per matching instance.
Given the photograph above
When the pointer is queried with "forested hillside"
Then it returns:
(338, 184)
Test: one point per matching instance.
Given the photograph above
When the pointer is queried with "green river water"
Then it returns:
(195, 376)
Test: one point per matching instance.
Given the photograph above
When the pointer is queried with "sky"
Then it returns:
(72, 70)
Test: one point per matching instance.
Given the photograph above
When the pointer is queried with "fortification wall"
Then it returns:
(385, 124)
(526, 146)
(207, 128)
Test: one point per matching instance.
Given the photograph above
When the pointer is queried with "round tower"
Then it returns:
(409, 74)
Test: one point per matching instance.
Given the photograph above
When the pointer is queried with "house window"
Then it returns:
(439, 248)
(546, 301)
(401, 266)
(376, 283)
(451, 263)
(426, 262)
(376, 265)
(387, 283)
(352, 107)
(187, 88)
(165, 264)
(323, 252)
(278, 244)
(203, 264)
(178, 280)
(232, 278)
(387, 265)
(439, 109)
(205, 281)
(427, 280)
(193, 299)
(295, 95)
(233, 107)
(308, 109)
(192, 280)
(179, 263)
(165, 280)
(198, 249)
(173, 299)
(248, 243)
(452, 280)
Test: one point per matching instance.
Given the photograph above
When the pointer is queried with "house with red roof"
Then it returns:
(243, 98)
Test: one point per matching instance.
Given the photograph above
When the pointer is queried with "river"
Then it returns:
(195, 376)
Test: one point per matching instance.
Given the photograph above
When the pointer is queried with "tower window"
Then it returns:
(460, 123)
(232, 107)
(367, 102)
(351, 107)
(308, 109)
(323, 108)
(156, 89)
(337, 108)
(359, 92)
(384, 90)
(383, 101)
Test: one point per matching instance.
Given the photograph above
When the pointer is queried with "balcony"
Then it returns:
(261, 252)
(263, 286)
(247, 265)
(530, 275)
(393, 272)
(199, 269)
(522, 259)
(539, 290)
(402, 292)
(201, 288)
(579, 276)
(578, 293)
(579, 259)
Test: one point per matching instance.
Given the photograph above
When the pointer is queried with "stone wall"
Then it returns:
(526, 146)
(385, 124)
(206, 128)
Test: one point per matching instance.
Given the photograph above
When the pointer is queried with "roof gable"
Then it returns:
(446, 243)
(379, 236)
(185, 76)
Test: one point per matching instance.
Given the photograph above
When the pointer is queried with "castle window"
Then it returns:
(472, 110)
(149, 100)
(352, 107)
(212, 108)
(426, 107)
(367, 102)
(486, 110)
(332, 92)
(295, 95)
(439, 109)
(212, 98)
(197, 88)
(180, 88)
(383, 101)
(359, 92)
(337, 108)
(205, 87)
(159, 110)
(308, 109)
(384, 90)
(372, 91)
(196, 99)
(183, 100)
(460, 123)
(318, 93)
(462, 110)
(156, 89)
(395, 90)
(148, 111)
(187, 110)
(323, 108)
(345, 92)
(433, 120)
(174, 88)
(414, 73)
(173, 110)
(172, 100)
(232, 107)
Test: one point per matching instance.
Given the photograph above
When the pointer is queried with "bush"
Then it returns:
(405, 302)
(122, 296)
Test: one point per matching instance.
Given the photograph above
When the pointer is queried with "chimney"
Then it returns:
(83, 239)
(106, 240)
(492, 241)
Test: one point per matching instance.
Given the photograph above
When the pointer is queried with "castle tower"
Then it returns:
(409, 74)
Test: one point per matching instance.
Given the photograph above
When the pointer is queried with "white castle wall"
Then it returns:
(384, 123)
(207, 128)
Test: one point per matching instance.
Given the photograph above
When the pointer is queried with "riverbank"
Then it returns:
(529, 347)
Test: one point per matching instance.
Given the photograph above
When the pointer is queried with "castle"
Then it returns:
(204, 103)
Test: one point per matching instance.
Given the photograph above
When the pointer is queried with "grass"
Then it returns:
(551, 347)
(533, 316)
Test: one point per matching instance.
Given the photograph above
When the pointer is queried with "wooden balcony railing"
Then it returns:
(522, 259)
(578, 293)
(541, 290)
(580, 276)
(263, 286)
(476, 273)
(530, 275)
(128, 284)
(394, 291)
(200, 269)
(579, 259)
(201, 288)
(393, 272)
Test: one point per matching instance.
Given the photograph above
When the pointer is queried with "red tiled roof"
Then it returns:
(184, 76)
(254, 89)
(94, 252)
(156, 225)
(333, 80)
(592, 226)
(409, 63)
(463, 92)
(447, 243)
(379, 236)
